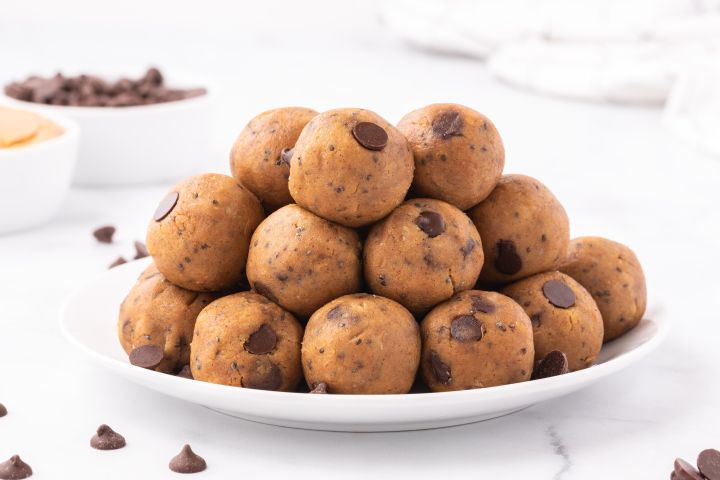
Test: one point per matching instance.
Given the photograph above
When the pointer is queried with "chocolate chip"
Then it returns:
(166, 206)
(107, 439)
(14, 469)
(141, 250)
(481, 305)
(3, 410)
(466, 328)
(265, 291)
(147, 356)
(685, 471)
(440, 369)
(320, 388)
(558, 294)
(431, 223)
(555, 363)
(118, 261)
(185, 372)
(508, 261)
(187, 461)
(104, 234)
(370, 135)
(264, 375)
(335, 312)
(286, 155)
(468, 247)
(261, 341)
(448, 124)
(708, 463)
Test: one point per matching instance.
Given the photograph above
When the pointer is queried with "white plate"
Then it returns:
(89, 322)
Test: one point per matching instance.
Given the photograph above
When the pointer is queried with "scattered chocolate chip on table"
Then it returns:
(107, 439)
(140, 250)
(118, 261)
(104, 234)
(14, 469)
(187, 461)
(3, 410)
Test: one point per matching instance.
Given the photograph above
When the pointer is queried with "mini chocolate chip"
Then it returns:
(104, 234)
(481, 305)
(370, 135)
(187, 461)
(107, 439)
(448, 124)
(431, 223)
(265, 291)
(320, 388)
(466, 328)
(286, 155)
(3, 410)
(147, 356)
(166, 206)
(468, 247)
(264, 375)
(335, 312)
(508, 261)
(141, 250)
(440, 369)
(261, 341)
(185, 372)
(558, 294)
(118, 261)
(555, 363)
(685, 471)
(708, 463)
(14, 469)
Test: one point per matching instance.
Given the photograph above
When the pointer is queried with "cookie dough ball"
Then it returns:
(422, 253)
(459, 155)
(612, 274)
(361, 344)
(564, 317)
(156, 312)
(350, 166)
(260, 157)
(245, 340)
(524, 230)
(200, 233)
(302, 261)
(476, 339)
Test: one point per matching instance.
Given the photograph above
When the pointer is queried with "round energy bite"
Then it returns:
(350, 166)
(302, 261)
(459, 155)
(260, 157)
(476, 339)
(422, 253)
(564, 317)
(245, 340)
(612, 274)
(200, 233)
(524, 229)
(361, 344)
(158, 313)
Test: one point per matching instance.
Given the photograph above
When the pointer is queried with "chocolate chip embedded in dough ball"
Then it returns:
(158, 314)
(245, 340)
(200, 234)
(612, 274)
(564, 317)
(422, 253)
(260, 157)
(476, 339)
(458, 153)
(524, 230)
(361, 344)
(350, 166)
(302, 261)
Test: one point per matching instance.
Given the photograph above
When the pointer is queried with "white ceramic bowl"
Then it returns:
(141, 144)
(35, 178)
(89, 321)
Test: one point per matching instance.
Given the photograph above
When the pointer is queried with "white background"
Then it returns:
(616, 169)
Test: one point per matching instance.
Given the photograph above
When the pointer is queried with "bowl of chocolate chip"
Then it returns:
(135, 129)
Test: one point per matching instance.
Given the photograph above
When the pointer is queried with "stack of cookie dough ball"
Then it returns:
(367, 258)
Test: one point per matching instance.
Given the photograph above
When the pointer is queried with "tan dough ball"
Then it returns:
(612, 274)
(564, 317)
(459, 155)
(423, 253)
(302, 261)
(524, 230)
(156, 312)
(200, 233)
(257, 159)
(476, 339)
(245, 340)
(361, 344)
(350, 166)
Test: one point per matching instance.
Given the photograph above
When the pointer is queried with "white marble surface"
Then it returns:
(616, 169)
